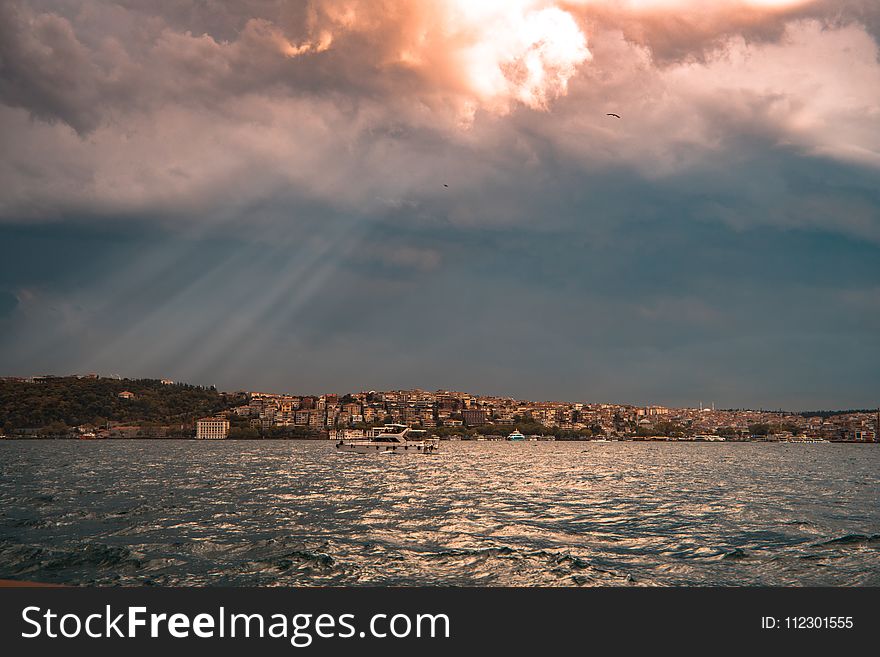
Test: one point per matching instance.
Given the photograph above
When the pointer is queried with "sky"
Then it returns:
(338, 195)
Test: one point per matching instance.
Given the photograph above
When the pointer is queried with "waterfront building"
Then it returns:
(863, 435)
(212, 428)
(348, 434)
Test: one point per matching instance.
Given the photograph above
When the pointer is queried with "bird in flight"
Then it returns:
(445, 185)
(616, 116)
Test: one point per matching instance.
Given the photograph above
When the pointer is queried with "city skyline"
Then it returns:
(307, 392)
(662, 201)
(94, 406)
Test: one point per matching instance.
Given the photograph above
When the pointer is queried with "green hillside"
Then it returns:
(75, 401)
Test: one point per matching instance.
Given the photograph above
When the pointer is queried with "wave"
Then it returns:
(20, 558)
(735, 554)
(33, 523)
(577, 569)
(852, 539)
(304, 558)
(500, 551)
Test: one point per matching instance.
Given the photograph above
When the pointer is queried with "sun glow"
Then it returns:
(496, 54)
(523, 51)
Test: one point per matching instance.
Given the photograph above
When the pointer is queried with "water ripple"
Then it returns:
(478, 514)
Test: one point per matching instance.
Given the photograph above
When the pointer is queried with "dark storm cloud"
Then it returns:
(671, 311)
(45, 69)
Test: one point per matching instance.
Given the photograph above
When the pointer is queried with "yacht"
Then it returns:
(394, 439)
(516, 435)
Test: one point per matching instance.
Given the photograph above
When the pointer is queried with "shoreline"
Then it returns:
(460, 440)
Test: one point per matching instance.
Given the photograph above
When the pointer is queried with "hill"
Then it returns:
(74, 401)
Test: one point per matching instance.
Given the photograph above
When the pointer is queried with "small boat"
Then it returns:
(393, 439)
(516, 435)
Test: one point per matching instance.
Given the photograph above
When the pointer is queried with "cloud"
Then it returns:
(400, 257)
(273, 113)
(104, 60)
(669, 311)
(463, 54)
(680, 30)
(248, 191)
(46, 69)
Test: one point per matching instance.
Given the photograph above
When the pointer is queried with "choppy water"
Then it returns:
(548, 514)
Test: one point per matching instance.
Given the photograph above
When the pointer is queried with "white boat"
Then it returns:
(392, 438)
(516, 435)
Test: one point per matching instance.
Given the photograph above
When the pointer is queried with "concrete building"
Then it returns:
(474, 418)
(212, 428)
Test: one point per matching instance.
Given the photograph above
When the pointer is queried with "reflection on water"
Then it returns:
(546, 514)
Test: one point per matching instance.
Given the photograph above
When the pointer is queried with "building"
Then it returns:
(659, 410)
(212, 428)
(474, 418)
(347, 434)
(125, 394)
(862, 435)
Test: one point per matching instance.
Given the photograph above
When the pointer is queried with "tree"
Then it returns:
(76, 402)
(670, 429)
(243, 433)
(56, 429)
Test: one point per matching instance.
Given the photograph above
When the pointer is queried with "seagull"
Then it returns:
(616, 116)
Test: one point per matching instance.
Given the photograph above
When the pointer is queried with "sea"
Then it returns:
(296, 513)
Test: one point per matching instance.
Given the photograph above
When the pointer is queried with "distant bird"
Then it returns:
(616, 116)
(445, 185)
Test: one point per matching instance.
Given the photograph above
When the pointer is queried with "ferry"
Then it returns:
(516, 435)
(393, 439)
